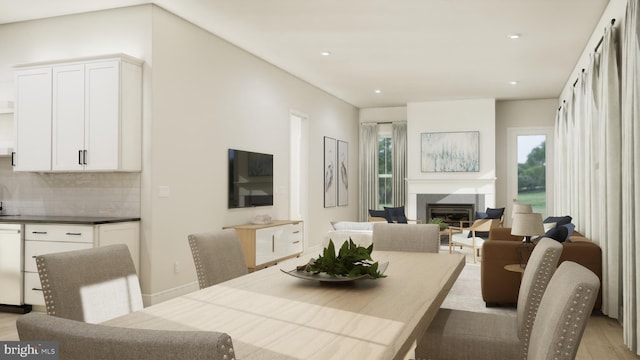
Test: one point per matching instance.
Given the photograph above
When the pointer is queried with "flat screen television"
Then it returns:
(250, 179)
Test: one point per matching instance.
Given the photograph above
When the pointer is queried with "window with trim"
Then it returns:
(385, 183)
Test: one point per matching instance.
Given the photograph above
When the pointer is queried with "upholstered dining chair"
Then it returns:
(218, 256)
(468, 237)
(82, 341)
(406, 237)
(564, 311)
(457, 334)
(92, 285)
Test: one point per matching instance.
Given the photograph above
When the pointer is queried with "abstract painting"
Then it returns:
(343, 173)
(330, 172)
(450, 152)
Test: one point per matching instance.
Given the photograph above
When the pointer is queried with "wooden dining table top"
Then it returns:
(272, 315)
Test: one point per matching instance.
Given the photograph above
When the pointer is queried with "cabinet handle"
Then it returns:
(39, 232)
(297, 241)
(33, 256)
(273, 243)
(74, 234)
(13, 158)
(36, 289)
(84, 157)
(297, 232)
(79, 157)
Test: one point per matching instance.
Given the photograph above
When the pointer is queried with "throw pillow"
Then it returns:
(495, 213)
(395, 214)
(549, 226)
(378, 213)
(481, 215)
(559, 220)
(558, 234)
(570, 229)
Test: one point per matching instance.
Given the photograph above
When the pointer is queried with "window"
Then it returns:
(385, 183)
(532, 172)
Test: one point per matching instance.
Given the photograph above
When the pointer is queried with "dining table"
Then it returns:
(270, 314)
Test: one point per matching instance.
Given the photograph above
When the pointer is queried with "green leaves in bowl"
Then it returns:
(352, 261)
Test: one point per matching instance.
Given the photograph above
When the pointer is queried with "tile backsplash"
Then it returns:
(69, 194)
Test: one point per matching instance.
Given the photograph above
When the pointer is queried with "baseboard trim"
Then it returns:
(155, 298)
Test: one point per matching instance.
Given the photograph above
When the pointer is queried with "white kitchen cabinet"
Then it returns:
(265, 245)
(32, 112)
(42, 239)
(94, 117)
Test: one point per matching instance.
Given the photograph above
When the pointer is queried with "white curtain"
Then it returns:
(399, 163)
(631, 178)
(588, 163)
(609, 172)
(368, 169)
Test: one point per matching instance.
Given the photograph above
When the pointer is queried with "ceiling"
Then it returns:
(410, 50)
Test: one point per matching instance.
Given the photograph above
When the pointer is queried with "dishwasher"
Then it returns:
(11, 276)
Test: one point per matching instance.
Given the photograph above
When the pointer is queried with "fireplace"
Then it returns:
(452, 214)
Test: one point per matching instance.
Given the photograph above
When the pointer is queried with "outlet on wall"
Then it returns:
(176, 267)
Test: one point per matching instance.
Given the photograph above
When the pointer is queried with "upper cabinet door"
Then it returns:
(68, 118)
(33, 120)
(102, 115)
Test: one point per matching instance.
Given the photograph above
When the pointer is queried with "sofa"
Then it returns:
(500, 287)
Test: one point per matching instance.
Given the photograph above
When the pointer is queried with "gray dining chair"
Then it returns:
(406, 237)
(218, 256)
(457, 334)
(564, 311)
(92, 285)
(82, 341)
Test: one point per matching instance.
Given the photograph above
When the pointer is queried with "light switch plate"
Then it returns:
(164, 191)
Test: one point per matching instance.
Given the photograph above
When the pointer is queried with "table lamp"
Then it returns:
(527, 225)
(520, 208)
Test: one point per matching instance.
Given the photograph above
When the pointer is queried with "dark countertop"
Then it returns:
(82, 220)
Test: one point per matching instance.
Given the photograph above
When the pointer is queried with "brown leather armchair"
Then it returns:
(500, 287)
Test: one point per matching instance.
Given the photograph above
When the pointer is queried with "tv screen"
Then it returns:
(250, 179)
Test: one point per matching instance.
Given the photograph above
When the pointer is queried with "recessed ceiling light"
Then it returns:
(513, 82)
(377, 91)
(513, 36)
(325, 53)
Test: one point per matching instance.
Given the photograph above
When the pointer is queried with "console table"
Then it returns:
(267, 244)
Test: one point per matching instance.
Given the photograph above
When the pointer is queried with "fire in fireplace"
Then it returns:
(452, 214)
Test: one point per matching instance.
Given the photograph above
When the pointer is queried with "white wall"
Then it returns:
(451, 116)
(517, 114)
(202, 95)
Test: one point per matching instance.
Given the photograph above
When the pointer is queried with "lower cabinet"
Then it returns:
(42, 239)
(265, 245)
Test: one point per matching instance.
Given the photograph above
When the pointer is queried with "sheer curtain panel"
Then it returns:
(368, 169)
(399, 171)
(630, 177)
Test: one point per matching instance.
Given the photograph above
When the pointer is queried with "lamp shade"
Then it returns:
(527, 224)
(521, 208)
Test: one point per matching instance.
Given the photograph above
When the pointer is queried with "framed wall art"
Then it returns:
(330, 172)
(450, 151)
(343, 173)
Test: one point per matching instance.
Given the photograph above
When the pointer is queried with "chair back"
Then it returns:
(82, 341)
(484, 225)
(218, 256)
(540, 268)
(92, 285)
(564, 310)
(406, 237)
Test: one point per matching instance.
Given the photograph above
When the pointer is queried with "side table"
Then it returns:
(515, 268)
